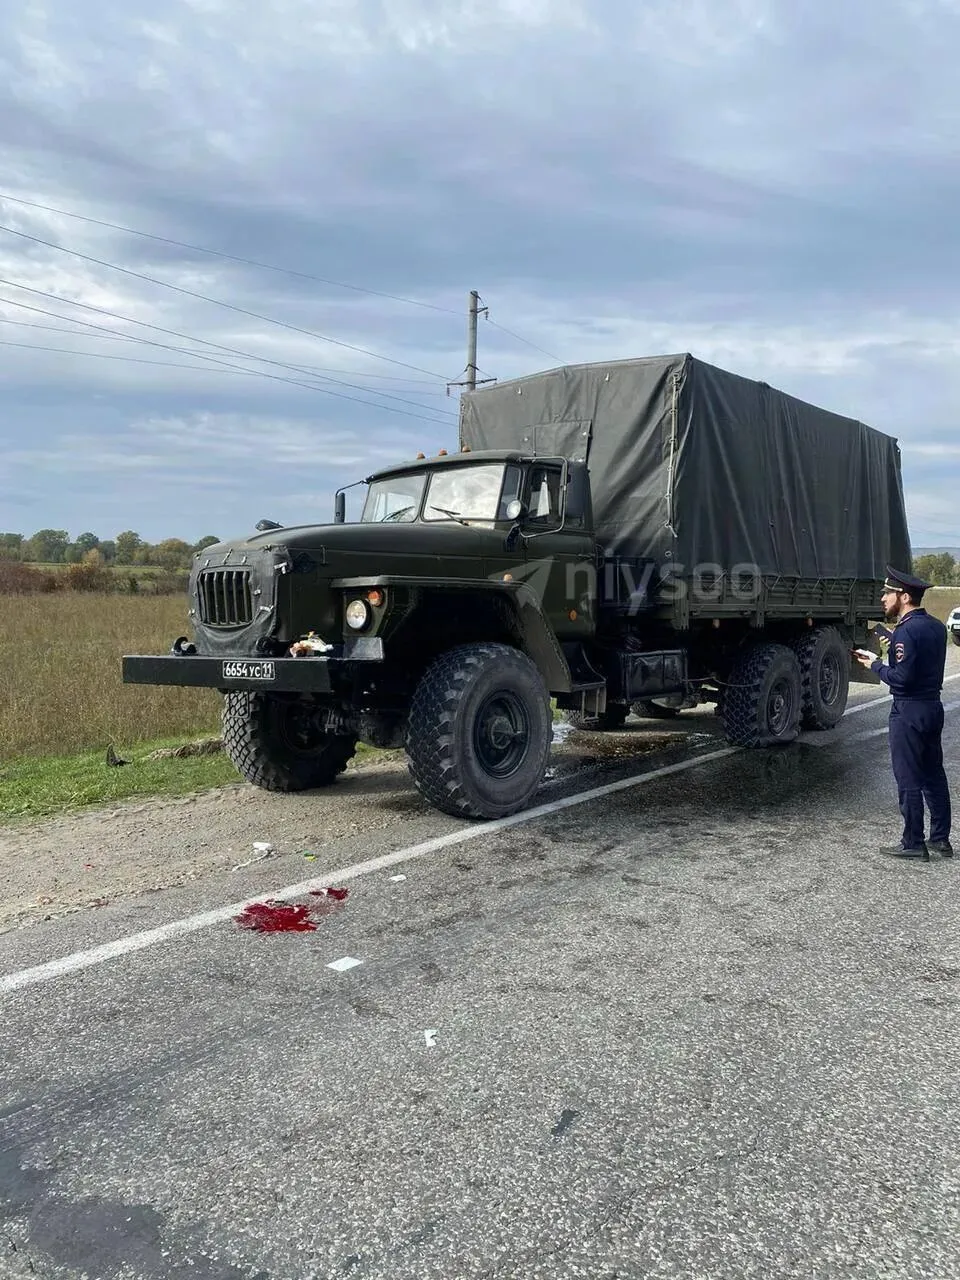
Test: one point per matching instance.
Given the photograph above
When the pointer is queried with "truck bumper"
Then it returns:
(281, 675)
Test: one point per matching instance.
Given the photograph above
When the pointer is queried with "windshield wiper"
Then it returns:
(454, 515)
(395, 515)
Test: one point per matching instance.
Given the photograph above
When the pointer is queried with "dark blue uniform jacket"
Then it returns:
(918, 654)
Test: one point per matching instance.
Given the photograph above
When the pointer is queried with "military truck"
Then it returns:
(649, 534)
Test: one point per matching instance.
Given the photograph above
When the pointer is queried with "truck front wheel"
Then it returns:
(761, 705)
(479, 731)
(275, 743)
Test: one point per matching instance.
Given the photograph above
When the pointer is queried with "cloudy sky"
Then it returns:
(771, 184)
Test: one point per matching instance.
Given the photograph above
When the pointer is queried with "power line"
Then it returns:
(252, 262)
(217, 302)
(310, 386)
(230, 257)
(526, 341)
(245, 355)
(106, 336)
(106, 355)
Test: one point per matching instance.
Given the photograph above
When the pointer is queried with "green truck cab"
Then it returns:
(650, 534)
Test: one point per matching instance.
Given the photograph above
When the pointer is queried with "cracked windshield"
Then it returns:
(466, 493)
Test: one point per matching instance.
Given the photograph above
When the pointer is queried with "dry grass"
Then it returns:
(60, 663)
(940, 600)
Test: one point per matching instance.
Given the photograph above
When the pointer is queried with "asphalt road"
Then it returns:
(693, 1027)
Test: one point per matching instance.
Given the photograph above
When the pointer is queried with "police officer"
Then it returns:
(918, 651)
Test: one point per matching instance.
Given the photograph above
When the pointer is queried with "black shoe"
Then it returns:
(898, 851)
(943, 847)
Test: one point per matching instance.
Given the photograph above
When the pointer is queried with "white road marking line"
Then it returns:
(876, 733)
(192, 924)
(875, 702)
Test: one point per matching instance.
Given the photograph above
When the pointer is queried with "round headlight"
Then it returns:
(357, 614)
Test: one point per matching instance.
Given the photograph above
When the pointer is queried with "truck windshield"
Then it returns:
(454, 493)
(397, 499)
(470, 493)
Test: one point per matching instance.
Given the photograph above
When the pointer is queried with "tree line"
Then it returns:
(940, 569)
(54, 546)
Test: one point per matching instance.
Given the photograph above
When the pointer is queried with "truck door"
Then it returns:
(559, 553)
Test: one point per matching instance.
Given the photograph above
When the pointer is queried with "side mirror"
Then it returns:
(340, 508)
(515, 510)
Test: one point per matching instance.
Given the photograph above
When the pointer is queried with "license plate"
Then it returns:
(249, 670)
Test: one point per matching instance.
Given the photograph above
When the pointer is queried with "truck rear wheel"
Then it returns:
(761, 705)
(275, 743)
(479, 731)
(824, 677)
(611, 718)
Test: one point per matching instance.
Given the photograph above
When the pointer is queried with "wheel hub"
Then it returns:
(298, 729)
(501, 734)
(830, 680)
(779, 707)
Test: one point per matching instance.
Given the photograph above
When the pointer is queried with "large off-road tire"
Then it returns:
(824, 662)
(479, 731)
(761, 705)
(613, 717)
(651, 709)
(274, 743)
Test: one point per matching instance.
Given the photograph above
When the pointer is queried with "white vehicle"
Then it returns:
(953, 625)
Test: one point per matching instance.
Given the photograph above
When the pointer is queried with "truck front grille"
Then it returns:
(225, 598)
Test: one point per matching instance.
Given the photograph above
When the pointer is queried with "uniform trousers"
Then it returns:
(916, 751)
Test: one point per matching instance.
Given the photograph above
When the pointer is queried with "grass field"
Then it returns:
(64, 702)
(37, 786)
(121, 570)
(63, 693)
(940, 600)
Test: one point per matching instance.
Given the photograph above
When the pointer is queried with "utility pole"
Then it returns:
(470, 379)
(472, 314)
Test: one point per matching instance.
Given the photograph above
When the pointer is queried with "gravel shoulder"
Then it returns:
(84, 860)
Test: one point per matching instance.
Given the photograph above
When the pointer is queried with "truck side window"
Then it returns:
(512, 488)
(543, 496)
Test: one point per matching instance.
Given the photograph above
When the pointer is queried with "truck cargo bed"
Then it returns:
(696, 469)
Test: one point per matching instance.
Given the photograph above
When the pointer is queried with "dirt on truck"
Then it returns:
(649, 534)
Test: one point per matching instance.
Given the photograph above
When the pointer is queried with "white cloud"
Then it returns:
(935, 451)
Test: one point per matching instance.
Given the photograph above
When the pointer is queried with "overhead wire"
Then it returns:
(234, 351)
(200, 355)
(519, 338)
(423, 387)
(217, 302)
(230, 257)
(254, 263)
(108, 355)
